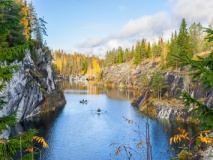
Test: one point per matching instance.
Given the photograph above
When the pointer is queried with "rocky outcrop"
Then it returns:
(32, 88)
(167, 111)
(172, 112)
(128, 75)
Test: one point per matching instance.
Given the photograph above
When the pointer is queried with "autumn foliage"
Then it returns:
(188, 141)
(77, 64)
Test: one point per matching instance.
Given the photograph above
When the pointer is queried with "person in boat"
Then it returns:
(98, 110)
(83, 101)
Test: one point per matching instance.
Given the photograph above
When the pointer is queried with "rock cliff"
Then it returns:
(128, 75)
(32, 90)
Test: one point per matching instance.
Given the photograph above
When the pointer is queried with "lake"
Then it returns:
(77, 132)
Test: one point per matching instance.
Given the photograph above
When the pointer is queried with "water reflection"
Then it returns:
(77, 132)
(83, 87)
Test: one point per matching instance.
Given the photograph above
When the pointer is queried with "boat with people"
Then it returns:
(98, 111)
(84, 101)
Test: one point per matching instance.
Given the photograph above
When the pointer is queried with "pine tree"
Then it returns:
(173, 52)
(143, 52)
(196, 37)
(148, 50)
(120, 55)
(144, 79)
(136, 55)
(11, 31)
(37, 27)
(183, 41)
(201, 69)
(158, 84)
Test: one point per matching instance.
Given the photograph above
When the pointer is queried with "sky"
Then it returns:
(93, 27)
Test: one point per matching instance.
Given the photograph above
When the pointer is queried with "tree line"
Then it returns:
(188, 41)
(77, 64)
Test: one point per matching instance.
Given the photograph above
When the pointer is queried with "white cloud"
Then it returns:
(93, 42)
(194, 11)
(151, 26)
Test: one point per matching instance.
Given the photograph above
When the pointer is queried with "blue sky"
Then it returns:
(95, 26)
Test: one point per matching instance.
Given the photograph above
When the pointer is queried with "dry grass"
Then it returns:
(202, 54)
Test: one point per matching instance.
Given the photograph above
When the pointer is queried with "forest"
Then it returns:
(190, 41)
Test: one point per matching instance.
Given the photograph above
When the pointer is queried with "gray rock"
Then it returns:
(209, 101)
(27, 90)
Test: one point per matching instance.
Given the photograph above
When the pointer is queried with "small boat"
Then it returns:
(84, 101)
(98, 111)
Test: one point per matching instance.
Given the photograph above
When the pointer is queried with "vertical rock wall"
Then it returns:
(31, 87)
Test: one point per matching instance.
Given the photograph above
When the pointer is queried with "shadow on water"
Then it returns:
(42, 123)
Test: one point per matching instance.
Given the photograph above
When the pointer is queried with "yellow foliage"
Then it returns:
(205, 139)
(203, 136)
(178, 138)
(41, 140)
(82, 72)
(55, 55)
(96, 68)
(29, 149)
(25, 21)
(89, 72)
(59, 64)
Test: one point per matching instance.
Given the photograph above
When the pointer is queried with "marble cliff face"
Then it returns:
(32, 90)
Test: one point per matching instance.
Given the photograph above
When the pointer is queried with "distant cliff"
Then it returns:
(128, 75)
(32, 90)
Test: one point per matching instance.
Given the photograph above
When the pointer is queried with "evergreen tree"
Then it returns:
(120, 55)
(173, 52)
(158, 84)
(144, 79)
(127, 55)
(196, 37)
(155, 50)
(137, 58)
(183, 41)
(201, 69)
(37, 27)
(143, 52)
(11, 30)
(148, 50)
